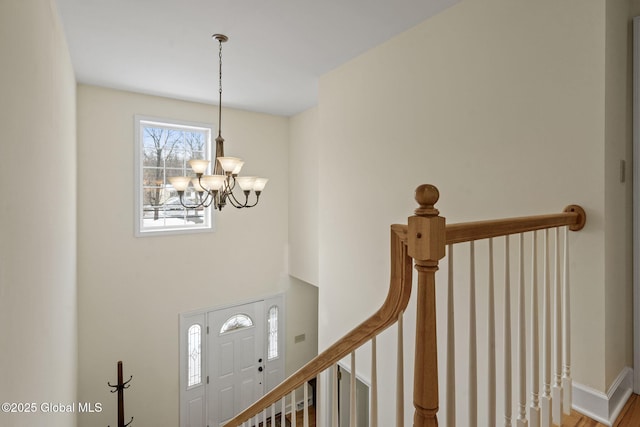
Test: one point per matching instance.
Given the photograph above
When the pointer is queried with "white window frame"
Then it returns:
(140, 229)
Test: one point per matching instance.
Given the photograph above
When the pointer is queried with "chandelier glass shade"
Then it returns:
(218, 189)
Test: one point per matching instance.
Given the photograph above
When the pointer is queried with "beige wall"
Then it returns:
(618, 195)
(131, 290)
(302, 319)
(303, 196)
(500, 104)
(38, 347)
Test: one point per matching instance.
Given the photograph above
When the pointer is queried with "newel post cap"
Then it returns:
(427, 196)
(426, 230)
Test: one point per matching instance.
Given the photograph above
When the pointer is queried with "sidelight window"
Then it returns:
(194, 359)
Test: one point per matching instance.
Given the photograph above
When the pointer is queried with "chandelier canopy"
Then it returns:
(217, 189)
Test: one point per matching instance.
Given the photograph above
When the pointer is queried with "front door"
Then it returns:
(237, 368)
(229, 357)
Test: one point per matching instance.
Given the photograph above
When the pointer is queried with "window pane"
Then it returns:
(165, 150)
(194, 355)
(194, 144)
(239, 321)
(153, 177)
(272, 330)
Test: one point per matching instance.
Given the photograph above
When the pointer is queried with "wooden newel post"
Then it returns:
(426, 245)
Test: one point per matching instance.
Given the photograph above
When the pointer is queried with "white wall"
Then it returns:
(38, 316)
(502, 106)
(131, 290)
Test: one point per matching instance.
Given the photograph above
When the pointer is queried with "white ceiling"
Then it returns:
(276, 51)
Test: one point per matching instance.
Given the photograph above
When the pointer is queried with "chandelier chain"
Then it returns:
(220, 88)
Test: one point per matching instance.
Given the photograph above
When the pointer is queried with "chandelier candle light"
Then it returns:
(218, 188)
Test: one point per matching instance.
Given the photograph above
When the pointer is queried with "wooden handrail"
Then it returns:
(573, 216)
(395, 303)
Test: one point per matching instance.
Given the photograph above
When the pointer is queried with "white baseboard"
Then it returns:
(602, 407)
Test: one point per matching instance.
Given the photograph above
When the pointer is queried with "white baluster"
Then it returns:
(567, 382)
(473, 356)
(557, 392)
(305, 405)
(283, 411)
(273, 414)
(353, 407)
(450, 359)
(491, 328)
(534, 408)
(400, 375)
(545, 406)
(293, 409)
(334, 397)
(508, 409)
(264, 417)
(522, 355)
(316, 399)
(373, 417)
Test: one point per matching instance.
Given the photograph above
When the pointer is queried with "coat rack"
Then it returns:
(119, 388)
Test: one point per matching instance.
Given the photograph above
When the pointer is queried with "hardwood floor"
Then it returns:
(300, 419)
(629, 417)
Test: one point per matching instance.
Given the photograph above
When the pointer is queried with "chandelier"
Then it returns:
(218, 189)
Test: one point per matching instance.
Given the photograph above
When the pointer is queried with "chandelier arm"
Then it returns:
(196, 206)
(238, 204)
(209, 198)
(234, 202)
(210, 193)
(231, 187)
(227, 194)
(257, 200)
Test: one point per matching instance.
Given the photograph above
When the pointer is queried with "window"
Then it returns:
(163, 150)
(239, 321)
(194, 359)
(272, 333)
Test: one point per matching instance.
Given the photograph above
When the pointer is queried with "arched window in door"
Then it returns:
(235, 322)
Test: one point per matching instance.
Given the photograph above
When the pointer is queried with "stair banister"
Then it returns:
(423, 241)
(394, 304)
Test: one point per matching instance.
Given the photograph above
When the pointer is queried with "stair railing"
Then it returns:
(424, 241)
(393, 306)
